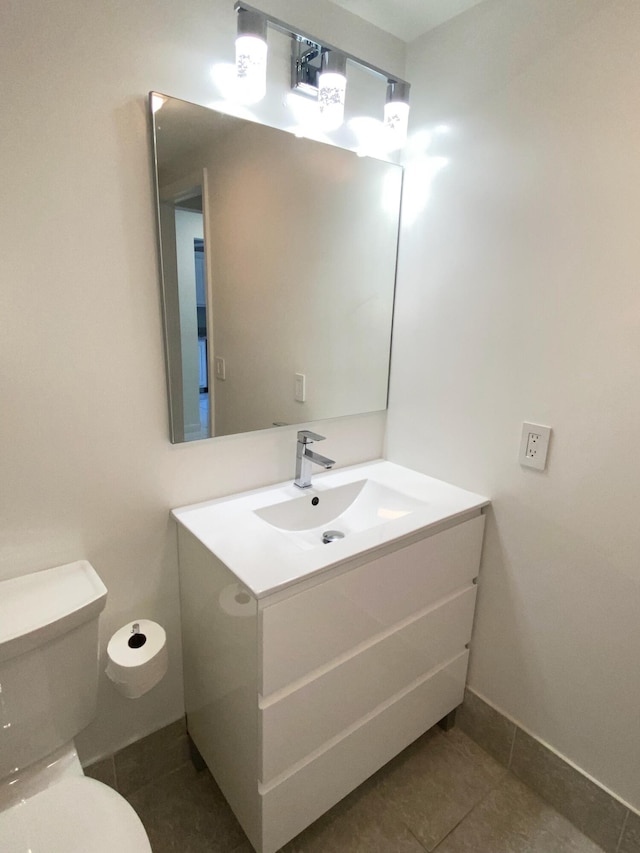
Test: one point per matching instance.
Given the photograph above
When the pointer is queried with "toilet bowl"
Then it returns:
(74, 814)
(48, 693)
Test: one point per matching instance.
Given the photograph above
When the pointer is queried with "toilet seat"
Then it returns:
(76, 815)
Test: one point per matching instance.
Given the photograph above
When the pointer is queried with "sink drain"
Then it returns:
(332, 536)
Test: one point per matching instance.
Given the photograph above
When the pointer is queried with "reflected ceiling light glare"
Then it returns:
(371, 136)
(417, 144)
(391, 190)
(223, 75)
(157, 102)
(332, 87)
(420, 174)
(396, 114)
(232, 109)
(304, 110)
(251, 56)
(307, 117)
(306, 132)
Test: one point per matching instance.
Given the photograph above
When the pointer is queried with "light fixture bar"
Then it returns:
(301, 35)
(306, 64)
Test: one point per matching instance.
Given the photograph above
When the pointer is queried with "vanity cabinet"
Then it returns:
(295, 698)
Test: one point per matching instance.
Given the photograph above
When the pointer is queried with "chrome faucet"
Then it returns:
(304, 458)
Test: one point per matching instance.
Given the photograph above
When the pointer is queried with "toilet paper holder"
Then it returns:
(137, 638)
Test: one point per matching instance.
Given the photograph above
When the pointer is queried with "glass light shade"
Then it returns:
(396, 122)
(332, 88)
(251, 68)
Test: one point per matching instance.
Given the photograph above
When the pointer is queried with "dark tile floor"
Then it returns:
(443, 793)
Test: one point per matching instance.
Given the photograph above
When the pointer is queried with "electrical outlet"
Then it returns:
(534, 441)
(534, 445)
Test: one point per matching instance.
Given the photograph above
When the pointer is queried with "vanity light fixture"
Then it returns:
(318, 69)
(251, 56)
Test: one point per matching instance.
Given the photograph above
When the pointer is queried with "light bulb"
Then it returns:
(396, 122)
(251, 69)
(251, 57)
(332, 87)
(396, 115)
(331, 95)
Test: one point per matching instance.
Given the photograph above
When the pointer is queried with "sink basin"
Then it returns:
(273, 537)
(341, 510)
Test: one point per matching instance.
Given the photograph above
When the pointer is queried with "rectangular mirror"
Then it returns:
(278, 261)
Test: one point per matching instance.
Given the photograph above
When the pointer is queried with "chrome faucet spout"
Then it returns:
(323, 461)
(305, 457)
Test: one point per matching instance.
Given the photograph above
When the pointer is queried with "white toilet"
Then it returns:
(48, 693)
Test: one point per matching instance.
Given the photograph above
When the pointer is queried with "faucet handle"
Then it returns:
(305, 436)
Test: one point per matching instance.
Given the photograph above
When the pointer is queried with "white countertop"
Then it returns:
(265, 560)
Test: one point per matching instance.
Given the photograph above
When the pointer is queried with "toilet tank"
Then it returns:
(48, 660)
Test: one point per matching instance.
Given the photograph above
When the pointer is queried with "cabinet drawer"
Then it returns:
(299, 799)
(310, 629)
(302, 721)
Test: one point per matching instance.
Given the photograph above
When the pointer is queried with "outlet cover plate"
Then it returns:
(221, 367)
(300, 383)
(534, 445)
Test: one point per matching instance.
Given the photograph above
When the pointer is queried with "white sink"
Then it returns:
(273, 537)
(339, 511)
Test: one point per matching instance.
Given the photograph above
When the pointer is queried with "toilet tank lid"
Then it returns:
(36, 608)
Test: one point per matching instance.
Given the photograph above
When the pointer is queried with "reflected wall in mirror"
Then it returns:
(278, 259)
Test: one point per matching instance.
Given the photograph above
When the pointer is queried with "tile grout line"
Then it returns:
(472, 809)
(453, 745)
(550, 800)
(460, 751)
(115, 772)
(493, 787)
(553, 805)
(513, 745)
(157, 779)
(413, 835)
(622, 830)
(512, 774)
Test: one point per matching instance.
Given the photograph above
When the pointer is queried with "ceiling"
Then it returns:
(406, 19)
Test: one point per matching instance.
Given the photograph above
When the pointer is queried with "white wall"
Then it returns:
(518, 299)
(87, 468)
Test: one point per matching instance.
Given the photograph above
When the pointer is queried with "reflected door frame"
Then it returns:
(174, 197)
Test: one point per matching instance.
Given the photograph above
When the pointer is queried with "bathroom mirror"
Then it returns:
(278, 259)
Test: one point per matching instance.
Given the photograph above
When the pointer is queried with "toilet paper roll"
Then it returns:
(138, 657)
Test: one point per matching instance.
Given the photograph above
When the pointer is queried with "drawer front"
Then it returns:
(299, 799)
(308, 630)
(303, 721)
